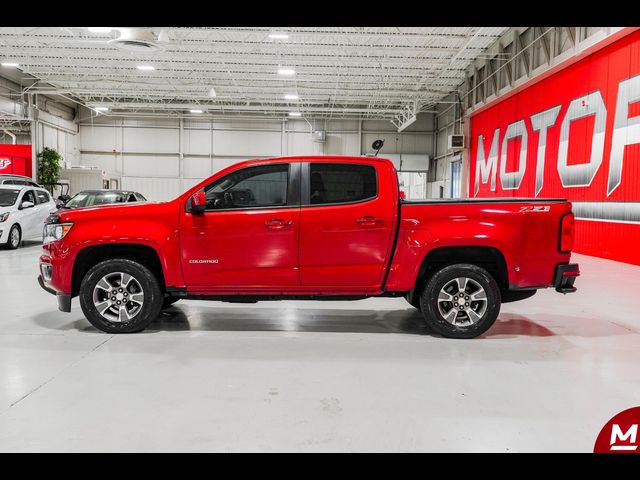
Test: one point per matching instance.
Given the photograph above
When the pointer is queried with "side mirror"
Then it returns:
(26, 205)
(198, 203)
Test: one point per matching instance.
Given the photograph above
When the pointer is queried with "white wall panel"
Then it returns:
(197, 167)
(151, 166)
(197, 142)
(100, 138)
(246, 143)
(107, 162)
(343, 144)
(49, 137)
(154, 189)
(151, 140)
(300, 143)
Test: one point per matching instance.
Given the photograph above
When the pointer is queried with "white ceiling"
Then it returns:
(369, 72)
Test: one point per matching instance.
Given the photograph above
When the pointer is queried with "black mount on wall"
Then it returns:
(377, 145)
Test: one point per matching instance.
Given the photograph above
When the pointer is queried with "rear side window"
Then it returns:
(43, 197)
(341, 183)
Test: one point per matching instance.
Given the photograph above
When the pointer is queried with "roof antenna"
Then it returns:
(377, 145)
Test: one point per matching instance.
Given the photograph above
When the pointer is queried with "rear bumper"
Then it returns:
(565, 276)
(64, 301)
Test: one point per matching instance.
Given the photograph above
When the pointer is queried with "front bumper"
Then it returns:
(64, 301)
(565, 276)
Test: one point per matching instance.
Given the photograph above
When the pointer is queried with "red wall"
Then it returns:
(593, 130)
(15, 159)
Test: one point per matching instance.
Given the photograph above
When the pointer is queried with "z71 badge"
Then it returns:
(535, 208)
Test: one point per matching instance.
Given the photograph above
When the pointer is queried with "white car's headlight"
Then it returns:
(55, 231)
(4, 216)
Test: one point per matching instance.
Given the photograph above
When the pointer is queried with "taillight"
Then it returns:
(567, 228)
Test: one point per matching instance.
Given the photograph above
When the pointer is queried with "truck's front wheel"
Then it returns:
(120, 296)
(461, 301)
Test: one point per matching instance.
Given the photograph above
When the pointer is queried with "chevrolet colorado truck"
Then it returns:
(323, 228)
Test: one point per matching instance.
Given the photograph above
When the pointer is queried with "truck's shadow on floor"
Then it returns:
(408, 321)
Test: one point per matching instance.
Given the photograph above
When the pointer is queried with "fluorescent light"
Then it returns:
(101, 109)
(286, 71)
(278, 35)
(146, 67)
(291, 96)
(10, 64)
(99, 29)
(195, 110)
(212, 92)
(295, 114)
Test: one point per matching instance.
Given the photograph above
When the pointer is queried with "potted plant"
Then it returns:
(49, 168)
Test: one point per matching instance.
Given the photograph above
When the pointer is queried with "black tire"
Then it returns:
(152, 303)
(168, 301)
(13, 245)
(441, 279)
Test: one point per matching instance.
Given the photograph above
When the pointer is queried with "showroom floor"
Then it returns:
(317, 376)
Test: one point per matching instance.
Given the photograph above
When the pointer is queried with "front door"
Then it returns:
(248, 235)
(346, 224)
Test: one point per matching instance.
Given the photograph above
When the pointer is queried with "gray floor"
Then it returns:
(318, 376)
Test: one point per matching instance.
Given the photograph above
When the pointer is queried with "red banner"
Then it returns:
(575, 135)
(15, 159)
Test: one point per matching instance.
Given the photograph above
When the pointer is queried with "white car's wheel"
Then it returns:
(15, 237)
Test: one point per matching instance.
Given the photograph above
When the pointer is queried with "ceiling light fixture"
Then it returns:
(295, 114)
(10, 64)
(212, 92)
(286, 71)
(100, 29)
(195, 110)
(146, 67)
(278, 36)
(291, 96)
(101, 109)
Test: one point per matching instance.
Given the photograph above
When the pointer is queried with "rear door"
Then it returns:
(346, 223)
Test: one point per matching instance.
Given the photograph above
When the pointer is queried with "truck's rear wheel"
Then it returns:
(461, 301)
(120, 296)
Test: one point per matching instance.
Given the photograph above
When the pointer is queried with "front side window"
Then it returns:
(341, 183)
(29, 197)
(253, 187)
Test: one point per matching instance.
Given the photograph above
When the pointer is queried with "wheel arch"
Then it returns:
(91, 255)
(489, 258)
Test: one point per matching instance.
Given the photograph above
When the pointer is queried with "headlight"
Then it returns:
(4, 216)
(55, 231)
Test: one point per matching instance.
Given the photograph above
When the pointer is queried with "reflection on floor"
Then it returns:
(318, 376)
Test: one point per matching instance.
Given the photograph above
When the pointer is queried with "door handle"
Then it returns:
(369, 220)
(278, 223)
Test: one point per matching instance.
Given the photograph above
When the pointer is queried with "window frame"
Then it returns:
(306, 185)
(293, 189)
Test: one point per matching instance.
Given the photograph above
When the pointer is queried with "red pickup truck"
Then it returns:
(324, 228)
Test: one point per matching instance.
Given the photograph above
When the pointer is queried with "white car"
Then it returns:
(23, 210)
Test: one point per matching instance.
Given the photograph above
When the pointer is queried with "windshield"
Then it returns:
(90, 199)
(8, 197)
